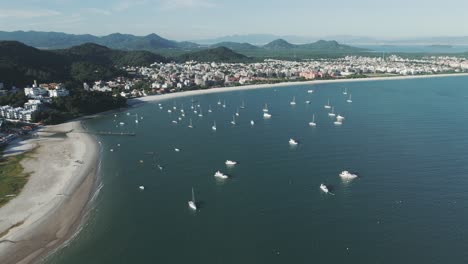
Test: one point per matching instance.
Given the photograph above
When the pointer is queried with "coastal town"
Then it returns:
(162, 78)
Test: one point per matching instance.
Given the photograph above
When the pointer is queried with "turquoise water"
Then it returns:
(406, 139)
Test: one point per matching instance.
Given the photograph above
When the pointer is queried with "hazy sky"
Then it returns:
(195, 19)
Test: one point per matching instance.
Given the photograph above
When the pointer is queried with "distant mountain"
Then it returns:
(56, 40)
(219, 54)
(21, 64)
(279, 44)
(256, 39)
(236, 46)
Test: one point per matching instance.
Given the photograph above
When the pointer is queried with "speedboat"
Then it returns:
(324, 188)
(347, 175)
(169, 110)
(307, 102)
(293, 142)
(174, 121)
(266, 115)
(252, 122)
(230, 163)
(122, 123)
(220, 175)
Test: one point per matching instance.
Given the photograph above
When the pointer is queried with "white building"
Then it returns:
(59, 92)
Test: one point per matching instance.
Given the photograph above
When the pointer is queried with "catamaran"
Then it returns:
(349, 99)
(192, 204)
(347, 175)
(313, 121)
(328, 106)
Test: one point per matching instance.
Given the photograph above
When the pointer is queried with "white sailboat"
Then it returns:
(345, 91)
(265, 109)
(224, 104)
(237, 113)
(328, 106)
(192, 203)
(214, 126)
(201, 113)
(349, 99)
(293, 102)
(219, 102)
(136, 119)
(209, 109)
(242, 105)
(233, 120)
(190, 124)
(313, 121)
(332, 113)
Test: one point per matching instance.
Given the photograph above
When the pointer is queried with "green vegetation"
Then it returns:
(14, 99)
(220, 54)
(12, 176)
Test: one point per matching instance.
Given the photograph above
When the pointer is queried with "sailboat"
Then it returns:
(313, 121)
(224, 104)
(332, 112)
(293, 102)
(265, 109)
(201, 113)
(345, 91)
(242, 105)
(349, 99)
(192, 204)
(233, 120)
(214, 126)
(136, 119)
(327, 106)
(190, 125)
(237, 113)
(209, 109)
(219, 102)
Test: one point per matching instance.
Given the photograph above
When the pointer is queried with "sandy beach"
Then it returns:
(153, 98)
(51, 205)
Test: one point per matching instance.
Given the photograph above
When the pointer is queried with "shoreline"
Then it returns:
(53, 202)
(153, 98)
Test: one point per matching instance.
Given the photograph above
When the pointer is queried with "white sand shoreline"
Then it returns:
(52, 203)
(153, 98)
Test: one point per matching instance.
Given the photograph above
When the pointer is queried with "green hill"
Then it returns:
(21, 64)
(236, 46)
(279, 44)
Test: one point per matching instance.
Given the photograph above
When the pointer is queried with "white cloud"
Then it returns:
(186, 4)
(25, 14)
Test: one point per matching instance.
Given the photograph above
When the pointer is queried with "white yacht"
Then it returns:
(265, 109)
(230, 163)
(252, 122)
(313, 121)
(233, 120)
(192, 204)
(214, 126)
(328, 106)
(310, 91)
(190, 124)
(122, 123)
(177, 150)
(169, 110)
(220, 175)
(349, 99)
(332, 113)
(141, 187)
(174, 121)
(347, 175)
(345, 91)
(293, 102)
(293, 142)
(266, 115)
(307, 102)
(180, 118)
(324, 188)
(339, 118)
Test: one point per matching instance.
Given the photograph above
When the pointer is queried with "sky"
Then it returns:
(199, 19)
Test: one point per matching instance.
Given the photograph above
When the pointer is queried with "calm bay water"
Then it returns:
(406, 139)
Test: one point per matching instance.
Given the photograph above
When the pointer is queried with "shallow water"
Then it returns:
(407, 140)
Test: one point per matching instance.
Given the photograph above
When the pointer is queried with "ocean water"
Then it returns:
(416, 48)
(406, 139)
